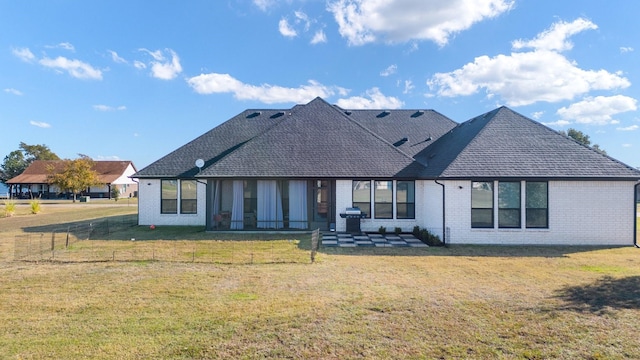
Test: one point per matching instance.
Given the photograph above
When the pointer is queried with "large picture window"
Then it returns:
(383, 199)
(482, 204)
(362, 196)
(405, 200)
(188, 197)
(169, 196)
(537, 204)
(509, 204)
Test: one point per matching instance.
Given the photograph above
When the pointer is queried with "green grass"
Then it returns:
(461, 302)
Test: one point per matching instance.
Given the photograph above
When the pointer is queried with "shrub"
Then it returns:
(382, 230)
(35, 206)
(115, 193)
(397, 230)
(9, 208)
(427, 237)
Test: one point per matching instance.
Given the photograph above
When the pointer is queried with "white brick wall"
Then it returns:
(428, 209)
(149, 206)
(580, 213)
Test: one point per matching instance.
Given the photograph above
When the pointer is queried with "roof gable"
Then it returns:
(504, 144)
(314, 140)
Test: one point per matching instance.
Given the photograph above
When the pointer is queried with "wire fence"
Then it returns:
(84, 242)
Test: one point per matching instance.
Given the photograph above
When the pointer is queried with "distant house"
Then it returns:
(33, 181)
(499, 178)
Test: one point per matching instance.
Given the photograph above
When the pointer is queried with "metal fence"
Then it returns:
(77, 243)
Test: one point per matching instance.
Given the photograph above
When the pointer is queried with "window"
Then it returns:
(405, 200)
(362, 196)
(169, 196)
(482, 204)
(537, 204)
(509, 204)
(383, 197)
(188, 197)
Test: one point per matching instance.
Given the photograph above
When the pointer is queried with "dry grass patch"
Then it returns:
(461, 302)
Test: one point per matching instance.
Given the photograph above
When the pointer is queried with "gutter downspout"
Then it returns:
(635, 222)
(444, 228)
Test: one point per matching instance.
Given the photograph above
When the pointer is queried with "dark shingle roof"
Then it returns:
(213, 145)
(321, 140)
(314, 140)
(505, 144)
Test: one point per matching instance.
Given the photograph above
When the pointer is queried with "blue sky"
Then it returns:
(134, 80)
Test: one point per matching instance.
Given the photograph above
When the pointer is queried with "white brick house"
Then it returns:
(499, 178)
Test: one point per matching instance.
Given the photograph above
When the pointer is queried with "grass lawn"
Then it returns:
(459, 302)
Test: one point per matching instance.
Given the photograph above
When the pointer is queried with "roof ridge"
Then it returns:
(374, 133)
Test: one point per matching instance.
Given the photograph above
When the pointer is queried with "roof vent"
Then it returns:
(254, 114)
(417, 113)
(348, 112)
(383, 114)
(277, 115)
(400, 142)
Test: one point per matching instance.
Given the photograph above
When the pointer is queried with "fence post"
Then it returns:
(315, 235)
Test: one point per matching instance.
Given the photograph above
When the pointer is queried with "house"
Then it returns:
(33, 180)
(499, 178)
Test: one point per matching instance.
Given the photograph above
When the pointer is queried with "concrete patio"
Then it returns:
(333, 239)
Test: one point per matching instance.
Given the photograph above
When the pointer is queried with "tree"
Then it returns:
(75, 176)
(583, 139)
(17, 161)
(13, 165)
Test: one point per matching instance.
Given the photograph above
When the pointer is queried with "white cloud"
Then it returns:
(215, 83)
(107, 158)
(524, 78)
(62, 45)
(556, 37)
(286, 29)
(319, 37)
(627, 145)
(598, 110)
(109, 108)
(263, 4)
(116, 58)
(75, 68)
(301, 17)
(13, 91)
(365, 21)
(23, 54)
(408, 86)
(40, 124)
(161, 67)
(626, 49)
(559, 123)
(537, 115)
(374, 100)
(629, 128)
(390, 70)
(139, 65)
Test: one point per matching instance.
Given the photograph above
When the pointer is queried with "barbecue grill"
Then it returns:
(353, 216)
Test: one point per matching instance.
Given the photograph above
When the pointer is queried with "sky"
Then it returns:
(135, 80)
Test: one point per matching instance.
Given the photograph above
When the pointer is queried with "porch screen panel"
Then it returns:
(169, 193)
(269, 212)
(383, 198)
(405, 200)
(298, 204)
(188, 197)
(537, 204)
(362, 196)
(481, 204)
(237, 211)
(509, 204)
